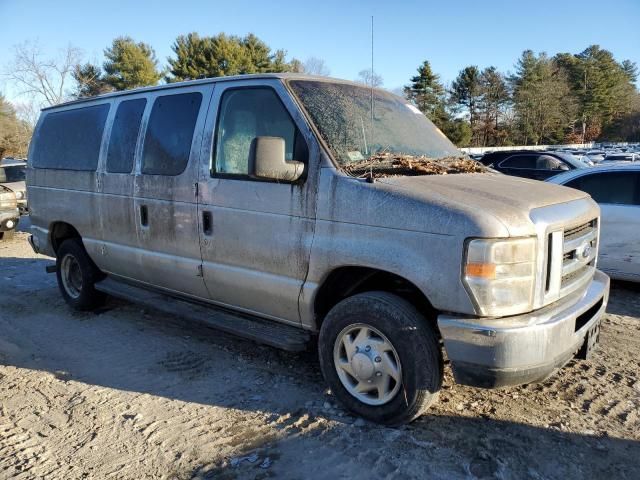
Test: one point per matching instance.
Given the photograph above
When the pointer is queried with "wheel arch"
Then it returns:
(346, 281)
(60, 231)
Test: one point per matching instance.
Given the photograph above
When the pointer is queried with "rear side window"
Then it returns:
(622, 188)
(70, 140)
(520, 161)
(167, 142)
(124, 136)
(547, 162)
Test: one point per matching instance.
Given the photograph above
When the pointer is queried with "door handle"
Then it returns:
(144, 216)
(207, 223)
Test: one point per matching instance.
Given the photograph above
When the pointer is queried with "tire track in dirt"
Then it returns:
(129, 394)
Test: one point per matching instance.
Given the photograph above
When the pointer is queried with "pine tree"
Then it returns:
(543, 101)
(630, 69)
(90, 81)
(129, 64)
(494, 98)
(194, 57)
(466, 91)
(223, 55)
(428, 94)
(604, 88)
(14, 133)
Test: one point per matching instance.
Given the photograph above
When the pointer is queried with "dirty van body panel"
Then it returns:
(376, 226)
(165, 210)
(415, 227)
(256, 253)
(119, 240)
(64, 195)
(509, 199)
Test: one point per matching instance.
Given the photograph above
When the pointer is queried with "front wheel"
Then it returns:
(380, 357)
(77, 275)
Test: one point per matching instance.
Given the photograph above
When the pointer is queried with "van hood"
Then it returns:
(460, 205)
(508, 199)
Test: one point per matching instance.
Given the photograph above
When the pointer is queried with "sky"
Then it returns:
(450, 34)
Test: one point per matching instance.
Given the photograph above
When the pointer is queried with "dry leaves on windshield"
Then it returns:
(391, 165)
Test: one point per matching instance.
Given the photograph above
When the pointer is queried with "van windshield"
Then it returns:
(397, 134)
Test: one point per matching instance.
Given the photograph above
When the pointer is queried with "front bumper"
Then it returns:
(525, 348)
(9, 217)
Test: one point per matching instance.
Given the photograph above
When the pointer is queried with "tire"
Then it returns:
(387, 320)
(77, 275)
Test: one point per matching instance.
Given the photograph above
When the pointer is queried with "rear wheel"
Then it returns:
(380, 357)
(77, 275)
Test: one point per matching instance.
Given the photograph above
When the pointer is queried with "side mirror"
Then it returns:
(269, 161)
(564, 168)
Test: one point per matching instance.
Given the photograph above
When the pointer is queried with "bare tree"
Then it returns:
(28, 112)
(42, 78)
(369, 78)
(316, 66)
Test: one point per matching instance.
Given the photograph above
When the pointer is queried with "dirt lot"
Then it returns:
(128, 393)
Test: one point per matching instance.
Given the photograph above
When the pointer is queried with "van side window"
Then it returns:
(124, 136)
(245, 114)
(167, 143)
(70, 140)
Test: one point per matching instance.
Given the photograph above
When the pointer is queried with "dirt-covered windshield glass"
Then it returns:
(397, 134)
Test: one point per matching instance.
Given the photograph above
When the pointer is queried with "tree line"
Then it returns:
(566, 98)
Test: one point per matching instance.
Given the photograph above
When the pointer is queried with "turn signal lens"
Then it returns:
(482, 270)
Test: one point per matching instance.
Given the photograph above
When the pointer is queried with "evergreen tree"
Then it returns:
(428, 94)
(89, 80)
(466, 91)
(129, 64)
(14, 133)
(458, 131)
(630, 69)
(494, 98)
(194, 57)
(222, 55)
(604, 88)
(544, 105)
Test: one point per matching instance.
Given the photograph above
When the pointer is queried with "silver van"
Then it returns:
(296, 210)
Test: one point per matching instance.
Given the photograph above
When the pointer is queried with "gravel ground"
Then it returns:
(129, 393)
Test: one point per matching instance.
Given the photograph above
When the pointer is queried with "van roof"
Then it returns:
(287, 76)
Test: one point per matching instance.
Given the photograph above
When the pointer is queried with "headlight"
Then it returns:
(19, 195)
(500, 275)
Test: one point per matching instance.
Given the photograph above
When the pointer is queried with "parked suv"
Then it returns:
(538, 165)
(9, 214)
(12, 176)
(283, 209)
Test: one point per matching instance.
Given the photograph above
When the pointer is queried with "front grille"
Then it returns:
(575, 232)
(580, 248)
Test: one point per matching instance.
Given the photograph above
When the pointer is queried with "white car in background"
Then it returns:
(616, 188)
(596, 155)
